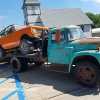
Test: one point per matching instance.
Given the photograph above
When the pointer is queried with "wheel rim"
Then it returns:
(24, 47)
(86, 74)
(15, 64)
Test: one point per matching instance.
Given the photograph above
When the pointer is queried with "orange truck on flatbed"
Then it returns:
(26, 38)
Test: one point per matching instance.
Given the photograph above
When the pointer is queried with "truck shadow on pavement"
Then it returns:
(50, 84)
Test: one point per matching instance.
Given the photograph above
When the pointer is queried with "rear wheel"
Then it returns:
(2, 52)
(26, 46)
(18, 64)
(87, 73)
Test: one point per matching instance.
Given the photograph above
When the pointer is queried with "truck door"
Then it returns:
(58, 51)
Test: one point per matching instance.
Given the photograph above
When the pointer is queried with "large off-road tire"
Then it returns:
(87, 73)
(26, 46)
(38, 63)
(2, 52)
(18, 64)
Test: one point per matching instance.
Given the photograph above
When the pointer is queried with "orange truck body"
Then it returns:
(13, 40)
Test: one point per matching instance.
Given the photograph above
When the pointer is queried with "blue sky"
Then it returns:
(11, 12)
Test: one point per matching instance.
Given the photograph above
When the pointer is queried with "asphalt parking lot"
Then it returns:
(38, 83)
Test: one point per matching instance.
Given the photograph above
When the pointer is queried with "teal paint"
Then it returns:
(65, 52)
(93, 53)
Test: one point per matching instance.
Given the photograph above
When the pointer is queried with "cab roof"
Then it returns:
(65, 27)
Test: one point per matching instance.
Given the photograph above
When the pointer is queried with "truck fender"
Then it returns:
(78, 55)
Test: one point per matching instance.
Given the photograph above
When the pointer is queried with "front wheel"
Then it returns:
(87, 73)
(26, 46)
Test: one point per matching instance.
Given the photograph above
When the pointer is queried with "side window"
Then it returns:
(53, 37)
(62, 37)
(2, 34)
(9, 30)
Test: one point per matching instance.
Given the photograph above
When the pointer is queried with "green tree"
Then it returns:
(2, 34)
(95, 19)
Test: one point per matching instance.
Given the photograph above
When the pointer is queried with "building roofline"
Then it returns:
(31, 4)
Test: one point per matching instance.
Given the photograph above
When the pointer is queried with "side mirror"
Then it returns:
(57, 37)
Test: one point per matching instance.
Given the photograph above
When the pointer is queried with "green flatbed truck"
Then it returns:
(68, 50)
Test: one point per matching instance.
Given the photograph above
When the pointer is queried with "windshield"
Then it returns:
(74, 33)
(18, 27)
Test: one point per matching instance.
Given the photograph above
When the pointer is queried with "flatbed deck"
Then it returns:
(35, 54)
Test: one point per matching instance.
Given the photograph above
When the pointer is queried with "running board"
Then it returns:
(63, 68)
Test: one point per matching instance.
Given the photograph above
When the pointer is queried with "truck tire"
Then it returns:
(17, 64)
(38, 63)
(87, 73)
(2, 52)
(26, 46)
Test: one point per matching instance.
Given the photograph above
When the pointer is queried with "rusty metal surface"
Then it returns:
(86, 74)
(63, 68)
(89, 40)
(59, 65)
(40, 59)
(57, 38)
(59, 48)
(73, 50)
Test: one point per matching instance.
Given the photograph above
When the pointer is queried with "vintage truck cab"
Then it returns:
(69, 49)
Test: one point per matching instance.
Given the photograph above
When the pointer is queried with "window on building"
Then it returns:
(37, 10)
(33, 9)
(82, 27)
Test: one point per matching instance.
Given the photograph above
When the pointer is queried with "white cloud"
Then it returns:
(2, 17)
(92, 0)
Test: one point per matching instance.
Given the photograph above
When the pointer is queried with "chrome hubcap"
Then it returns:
(24, 46)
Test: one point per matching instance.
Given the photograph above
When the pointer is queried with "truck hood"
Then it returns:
(87, 44)
(89, 40)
